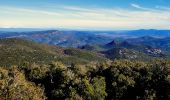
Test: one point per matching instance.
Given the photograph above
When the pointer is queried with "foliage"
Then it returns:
(14, 86)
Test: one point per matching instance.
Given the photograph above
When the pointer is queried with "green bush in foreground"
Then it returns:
(14, 86)
(117, 80)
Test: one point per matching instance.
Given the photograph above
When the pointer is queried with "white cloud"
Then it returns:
(144, 8)
(90, 18)
(136, 6)
(28, 11)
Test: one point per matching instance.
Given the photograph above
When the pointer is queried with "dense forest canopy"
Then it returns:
(117, 80)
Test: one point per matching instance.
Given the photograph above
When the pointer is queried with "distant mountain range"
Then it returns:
(133, 45)
(79, 38)
(60, 38)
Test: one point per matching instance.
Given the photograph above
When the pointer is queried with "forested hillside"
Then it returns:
(32, 71)
(14, 51)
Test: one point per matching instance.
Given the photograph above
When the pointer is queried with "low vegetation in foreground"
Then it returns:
(117, 80)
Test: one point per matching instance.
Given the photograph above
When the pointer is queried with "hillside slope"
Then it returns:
(15, 51)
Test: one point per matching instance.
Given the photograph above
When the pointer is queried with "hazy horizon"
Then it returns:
(67, 29)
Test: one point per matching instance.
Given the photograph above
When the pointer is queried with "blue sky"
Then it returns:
(85, 14)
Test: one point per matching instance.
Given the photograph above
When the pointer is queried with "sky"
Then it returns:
(85, 14)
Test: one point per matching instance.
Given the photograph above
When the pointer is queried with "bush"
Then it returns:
(14, 86)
